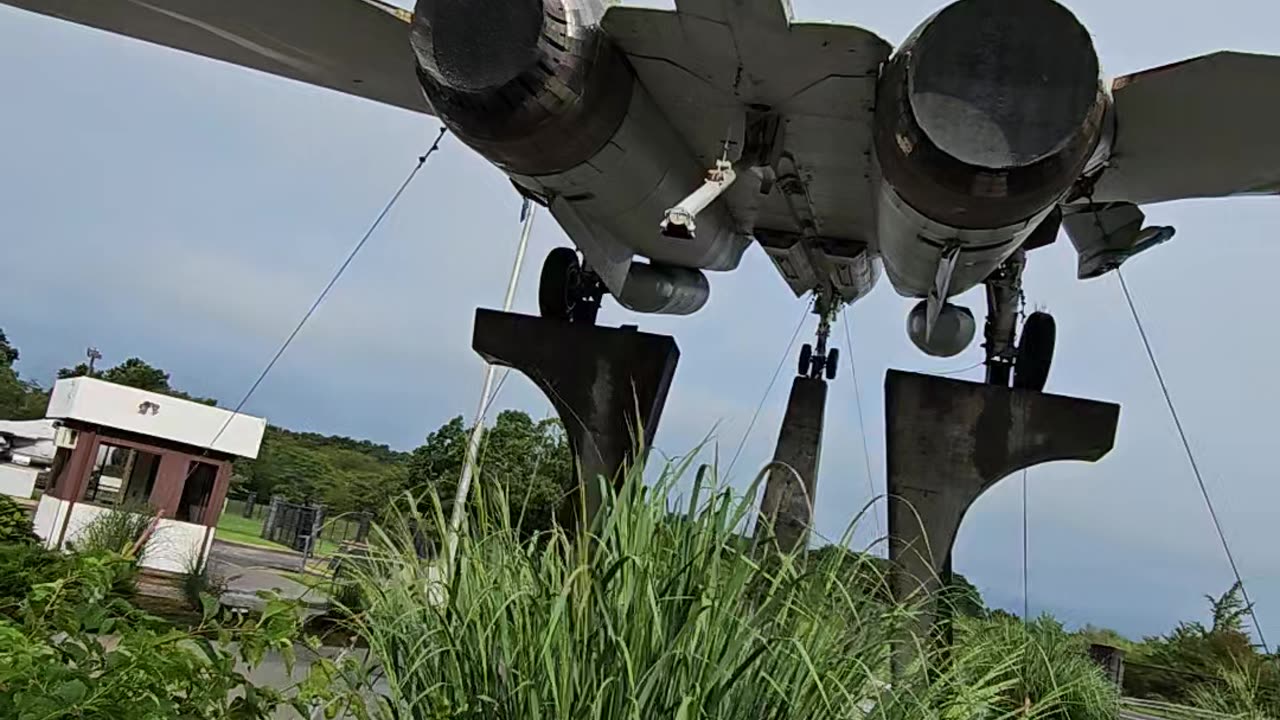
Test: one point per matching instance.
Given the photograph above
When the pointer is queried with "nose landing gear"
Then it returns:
(1025, 360)
(817, 361)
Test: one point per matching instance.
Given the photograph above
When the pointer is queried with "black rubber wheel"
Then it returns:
(1035, 352)
(833, 363)
(556, 284)
(806, 359)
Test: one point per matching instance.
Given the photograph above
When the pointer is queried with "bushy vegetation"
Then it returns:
(1214, 666)
(15, 523)
(1054, 672)
(118, 530)
(531, 459)
(24, 565)
(73, 646)
(345, 475)
(56, 660)
(655, 614)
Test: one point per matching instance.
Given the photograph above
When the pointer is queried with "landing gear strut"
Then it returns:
(820, 361)
(567, 290)
(1026, 359)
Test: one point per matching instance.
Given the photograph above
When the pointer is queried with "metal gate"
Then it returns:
(293, 525)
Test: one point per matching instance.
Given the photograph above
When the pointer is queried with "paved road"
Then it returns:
(249, 570)
(245, 556)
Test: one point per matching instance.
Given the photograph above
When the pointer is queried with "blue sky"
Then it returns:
(166, 206)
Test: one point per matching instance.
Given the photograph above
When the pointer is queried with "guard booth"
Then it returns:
(125, 449)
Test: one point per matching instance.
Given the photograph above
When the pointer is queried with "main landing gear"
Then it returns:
(567, 290)
(817, 360)
(1025, 360)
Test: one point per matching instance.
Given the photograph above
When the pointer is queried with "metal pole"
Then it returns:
(477, 431)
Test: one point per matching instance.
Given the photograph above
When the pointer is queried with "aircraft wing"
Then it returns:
(359, 47)
(1206, 127)
(709, 60)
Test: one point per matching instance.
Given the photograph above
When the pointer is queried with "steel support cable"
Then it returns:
(1195, 466)
(351, 256)
(769, 388)
(862, 425)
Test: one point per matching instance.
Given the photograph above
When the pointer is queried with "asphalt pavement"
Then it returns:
(249, 570)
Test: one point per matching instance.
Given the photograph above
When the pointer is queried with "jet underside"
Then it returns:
(666, 142)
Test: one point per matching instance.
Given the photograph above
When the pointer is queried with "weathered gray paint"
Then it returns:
(608, 385)
(359, 47)
(786, 512)
(1205, 127)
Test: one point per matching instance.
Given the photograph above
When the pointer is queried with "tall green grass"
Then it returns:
(1242, 693)
(663, 613)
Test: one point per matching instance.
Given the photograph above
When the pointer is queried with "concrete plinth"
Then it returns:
(608, 385)
(950, 440)
(786, 512)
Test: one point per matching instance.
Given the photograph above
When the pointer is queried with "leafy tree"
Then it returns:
(135, 373)
(1194, 659)
(19, 399)
(529, 461)
(343, 474)
(8, 353)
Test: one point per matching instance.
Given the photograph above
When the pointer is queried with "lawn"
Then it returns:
(238, 528)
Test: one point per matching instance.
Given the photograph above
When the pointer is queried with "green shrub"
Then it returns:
(1053, 670)
(1196, 662)
(22, 566)
(1243, 692)
(15, 523)
(115, 530)
(54, 663)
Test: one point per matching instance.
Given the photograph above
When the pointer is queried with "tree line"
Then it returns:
(1196, 663)
(529, 459)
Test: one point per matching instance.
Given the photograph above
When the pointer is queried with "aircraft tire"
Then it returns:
(1035, 352)
(555, 284)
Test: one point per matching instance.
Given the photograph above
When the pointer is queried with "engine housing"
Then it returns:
(532, 85)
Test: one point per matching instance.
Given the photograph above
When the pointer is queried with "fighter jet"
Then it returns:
(666, 142)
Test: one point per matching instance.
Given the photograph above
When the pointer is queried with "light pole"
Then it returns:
(477, 431)
(93, 355)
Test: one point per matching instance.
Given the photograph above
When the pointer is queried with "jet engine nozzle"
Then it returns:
(533, 85)
(989, 111)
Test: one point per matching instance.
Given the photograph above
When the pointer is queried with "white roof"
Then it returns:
(137, 411)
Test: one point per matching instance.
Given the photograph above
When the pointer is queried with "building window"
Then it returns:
(197, 492)
(121, 477)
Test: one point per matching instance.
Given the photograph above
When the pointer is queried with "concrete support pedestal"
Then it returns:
(950, 440)
(786, 512)
(608, 385)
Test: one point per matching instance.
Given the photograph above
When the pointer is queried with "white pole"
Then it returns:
(477, 431)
